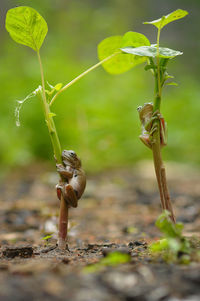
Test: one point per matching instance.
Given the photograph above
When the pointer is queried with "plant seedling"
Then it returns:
(113, 259)
(134, 48)
(27, 27)
(173, 246)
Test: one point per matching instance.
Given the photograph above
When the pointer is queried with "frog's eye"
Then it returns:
(73, 154)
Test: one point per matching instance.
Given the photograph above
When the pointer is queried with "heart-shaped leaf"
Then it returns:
(175, 15)
(26, 26)
(120, 62)
(151, 51)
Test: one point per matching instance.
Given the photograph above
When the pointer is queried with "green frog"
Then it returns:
(147, 117)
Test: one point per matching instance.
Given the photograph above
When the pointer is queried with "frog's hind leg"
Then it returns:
(70, 196)
(59, 191)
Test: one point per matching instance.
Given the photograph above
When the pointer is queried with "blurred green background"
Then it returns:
(97, 117)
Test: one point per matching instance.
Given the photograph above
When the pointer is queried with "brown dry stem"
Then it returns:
(63, 224)
(161, 173)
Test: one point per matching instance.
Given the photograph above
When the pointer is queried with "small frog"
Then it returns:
(147, 117)
(73, 177)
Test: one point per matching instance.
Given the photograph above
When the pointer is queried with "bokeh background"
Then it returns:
(97, 117)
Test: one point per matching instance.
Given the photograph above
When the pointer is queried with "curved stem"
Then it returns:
(81, 75)
(48, 117)
(63, 216)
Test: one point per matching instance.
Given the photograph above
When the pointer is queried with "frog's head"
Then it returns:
(69, 157)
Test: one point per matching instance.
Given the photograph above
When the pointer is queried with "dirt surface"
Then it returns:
(117, 213)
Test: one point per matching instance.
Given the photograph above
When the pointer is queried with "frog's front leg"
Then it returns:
(147, 132)
(163, 128)
(64, 172)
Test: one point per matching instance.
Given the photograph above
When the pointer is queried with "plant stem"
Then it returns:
(49, 119)
(156, 147)
(63, 216)
(158, 162)
(158, 64)
(63, 224)
(82, 75)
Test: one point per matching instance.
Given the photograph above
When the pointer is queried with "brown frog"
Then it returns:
(73, 179)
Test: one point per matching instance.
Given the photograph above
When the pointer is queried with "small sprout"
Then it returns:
(172, 84)
(47, 237)
(112, 259)
(58, 86)
(54, 89)
(173, 246)
(51, 114)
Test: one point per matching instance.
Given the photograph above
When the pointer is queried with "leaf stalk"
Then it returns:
(81, 75)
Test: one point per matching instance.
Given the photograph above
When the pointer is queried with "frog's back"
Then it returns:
(78, 182)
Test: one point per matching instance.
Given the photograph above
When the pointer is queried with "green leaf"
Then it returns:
(58, 86)
(121, 63)
(160, 23)
(172, 84)
(54, 89)
(116, 258)
(26, 26)
(113, 259)
(159, 245)
(166, 226)
(151, 51)
(168, 76)
(47, 237)
(134, 39)
(173, 245)
(51, 114)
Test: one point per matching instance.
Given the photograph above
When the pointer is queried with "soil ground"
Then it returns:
(118, 212)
